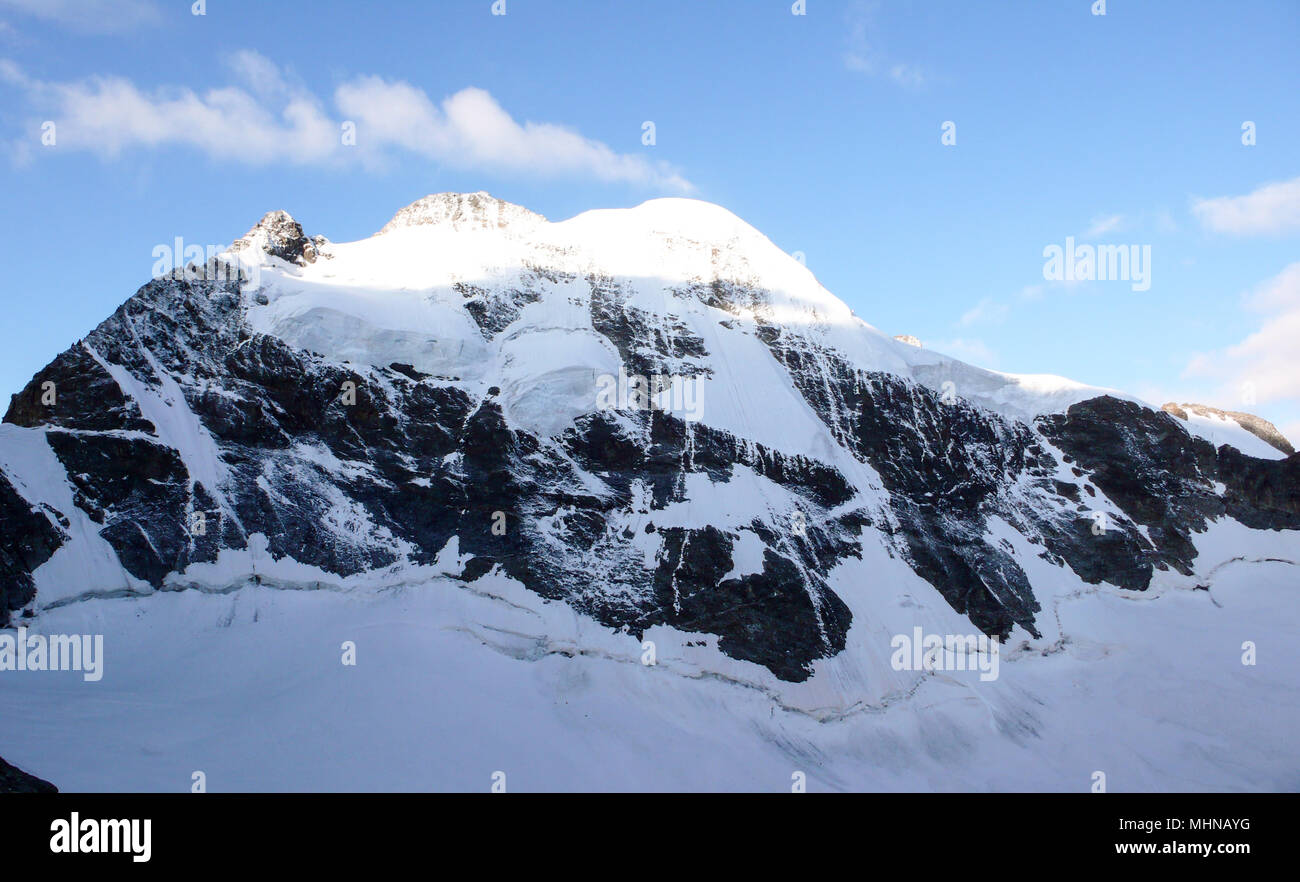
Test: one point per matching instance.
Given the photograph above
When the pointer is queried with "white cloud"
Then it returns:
(89, 16)
(271, 118)
(1103, 225)
(858, 62)
(986, 311)
(907, 75)
(863, 54)
(470, 128)
(262, 75)
(1264, 366)
(1272, 208)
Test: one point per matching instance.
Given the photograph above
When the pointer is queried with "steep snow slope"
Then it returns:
(401, 296)
(411, 429)
(1246, 432)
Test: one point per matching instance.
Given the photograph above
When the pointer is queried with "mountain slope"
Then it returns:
(428, 407)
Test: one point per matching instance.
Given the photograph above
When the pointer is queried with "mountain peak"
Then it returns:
(279, 235)
(462, 211)
(548, 443)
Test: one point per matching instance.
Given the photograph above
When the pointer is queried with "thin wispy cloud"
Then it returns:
(1270, 209)
(863, 52)
(987, 311)
(1165, 223)
(907, 75)
(89, 16)
(1263, 365)
(269, 117)
(1102, 225)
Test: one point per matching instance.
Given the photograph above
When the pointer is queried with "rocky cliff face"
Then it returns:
(428, 401)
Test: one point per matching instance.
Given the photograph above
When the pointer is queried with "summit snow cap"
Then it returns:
(464, 211)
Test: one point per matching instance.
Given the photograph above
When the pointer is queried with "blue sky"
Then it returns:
(822, 130)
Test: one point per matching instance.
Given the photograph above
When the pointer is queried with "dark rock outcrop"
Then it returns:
(278, 234)
(15, 780)
(27, 539)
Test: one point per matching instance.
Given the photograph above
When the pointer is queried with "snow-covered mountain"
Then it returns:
(513, 461)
